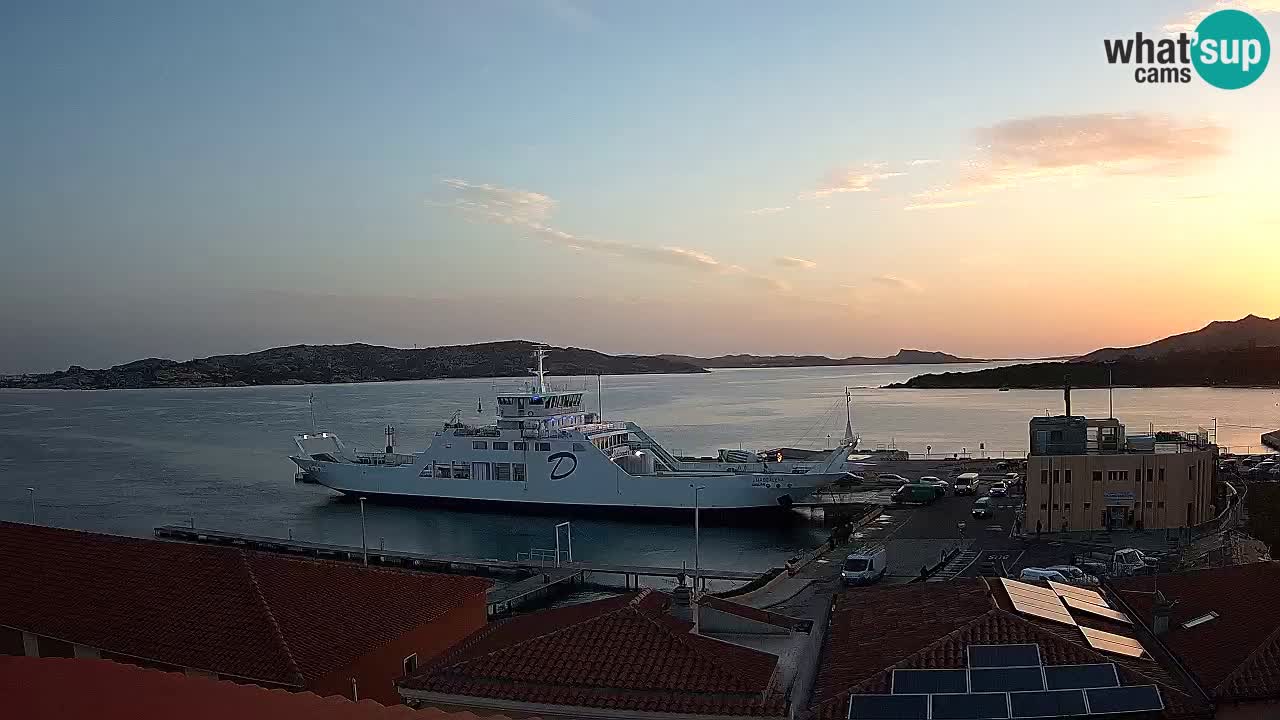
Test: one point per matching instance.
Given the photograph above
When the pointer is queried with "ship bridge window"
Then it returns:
(480, 470)
(544, 447)
(443, 471)
(479, 445)
(520, 475)
(502, 471)
(499, 445)
(461, 471)
(520, 446)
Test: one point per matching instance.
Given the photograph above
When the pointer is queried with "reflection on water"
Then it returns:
(126, 461)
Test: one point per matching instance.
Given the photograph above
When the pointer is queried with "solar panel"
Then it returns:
(1005, 679)
(1077, 592)
(1043, 610)
(1131, 698)
(888, 707)
(930, 681)
(1112, 643)
(974, 706)
(1099, 610)
(1078, 677)
(989, 656)
(1013, 586)
(1047, 704)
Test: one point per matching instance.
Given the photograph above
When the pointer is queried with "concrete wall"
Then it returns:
(376, 672)
(1157, 487)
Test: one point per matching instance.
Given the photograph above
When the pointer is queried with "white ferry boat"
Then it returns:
(545, 450)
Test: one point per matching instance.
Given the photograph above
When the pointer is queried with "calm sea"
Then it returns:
(125, 461)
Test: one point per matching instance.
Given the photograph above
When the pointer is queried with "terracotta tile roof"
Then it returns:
(756, 614)
(257, 616)
(1235, 656)
(59, 688)
(622, 653)
(930, 626)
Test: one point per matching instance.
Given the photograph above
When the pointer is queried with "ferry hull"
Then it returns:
(610, 490)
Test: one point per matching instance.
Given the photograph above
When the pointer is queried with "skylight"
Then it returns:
(1200, 620)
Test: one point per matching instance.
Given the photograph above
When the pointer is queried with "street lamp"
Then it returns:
(364, 543)
(697, 544)
(31, 492)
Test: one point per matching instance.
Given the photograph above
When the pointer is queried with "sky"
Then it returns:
(182, 179)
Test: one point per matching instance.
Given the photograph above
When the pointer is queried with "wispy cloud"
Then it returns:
(862, 178)
(529, 212)
(923, 161)
(769, 210)
(1023, 150)
(573, 14)
(923, 204)
(1191, 20)
(894, 282)
(795, 262)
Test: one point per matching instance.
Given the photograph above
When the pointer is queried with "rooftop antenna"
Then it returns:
(1066, 393)
(599, 396)
(479, 406)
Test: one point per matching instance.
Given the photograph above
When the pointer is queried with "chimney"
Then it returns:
(680, 603)
(1160, 615)
(1066, 395)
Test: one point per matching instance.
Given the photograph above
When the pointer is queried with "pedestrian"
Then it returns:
(1038, 527)
(1017, 526)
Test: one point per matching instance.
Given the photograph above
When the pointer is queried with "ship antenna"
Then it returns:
(848, 414)
(540, 353)
(311, 403)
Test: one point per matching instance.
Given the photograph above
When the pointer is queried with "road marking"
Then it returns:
(953, 568)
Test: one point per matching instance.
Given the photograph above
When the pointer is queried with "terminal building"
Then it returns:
(1087, 474)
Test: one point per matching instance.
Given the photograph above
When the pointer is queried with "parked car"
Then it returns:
(1074, 575)
(998, 490)
(891, 478)
(850, 479)
(967, 484)
(937, 482)
(1042, 576)
(984, 507)
(916, 493)
(1126, 561)
(865, 565)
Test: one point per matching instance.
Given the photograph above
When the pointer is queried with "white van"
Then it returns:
(967, 483)
(865, 565)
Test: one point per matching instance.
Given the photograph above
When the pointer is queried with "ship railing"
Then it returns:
(542, 557)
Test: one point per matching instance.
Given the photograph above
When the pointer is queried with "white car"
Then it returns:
(937, 482)
(892, 478)
(1042, 576)
(998, 490)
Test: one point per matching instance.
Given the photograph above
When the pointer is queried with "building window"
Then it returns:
(1151, 474)
(1124, 476)
(520, 475)
(1087, 505)
(1055, 507)
(499, 444)
(1148, 504)
(520, 446)
(479, 445)
(1161, 475)
(1057, 476)
(1042, 506)
(1066, 476)
(1044, 477)
(1097, 476)
(1066, 507)
(544, 447)
(1160, 504)
(1113, 476)
(410, 664)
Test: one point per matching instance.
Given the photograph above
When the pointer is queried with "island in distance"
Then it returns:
(358, 362)
(1240, 353)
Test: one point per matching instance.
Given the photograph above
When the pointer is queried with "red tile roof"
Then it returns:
(1235, 656)
(622, 653)
(258, 616)
(931, 625)
(60, 688)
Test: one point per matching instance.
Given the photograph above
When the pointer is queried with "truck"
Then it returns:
(916, 493)
(1126, 561)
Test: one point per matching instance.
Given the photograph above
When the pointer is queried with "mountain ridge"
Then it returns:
(1250, 330)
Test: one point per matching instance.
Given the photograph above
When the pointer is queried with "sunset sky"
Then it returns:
(191, 178)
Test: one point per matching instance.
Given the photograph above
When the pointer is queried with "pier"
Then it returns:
(539, 578)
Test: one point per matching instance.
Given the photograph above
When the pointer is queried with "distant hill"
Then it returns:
(298, 364)
(903, 357)
(1256, 367)
(1248, 331)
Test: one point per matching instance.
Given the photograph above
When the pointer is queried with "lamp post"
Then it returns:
(697, 545)
(31, 493)
(364, 543)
